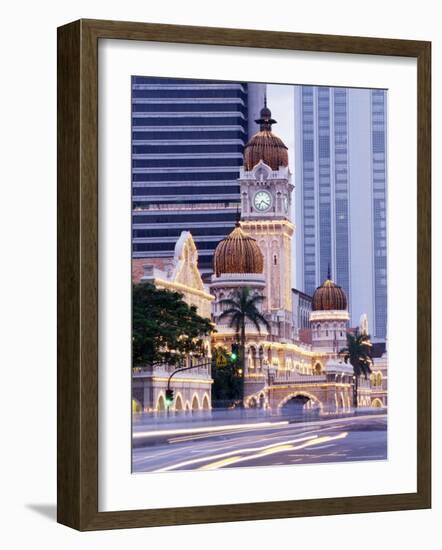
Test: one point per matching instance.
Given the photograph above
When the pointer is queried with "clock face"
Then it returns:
(262, 200)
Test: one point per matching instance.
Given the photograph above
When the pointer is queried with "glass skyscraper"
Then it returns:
(188, 138)
(341, 185)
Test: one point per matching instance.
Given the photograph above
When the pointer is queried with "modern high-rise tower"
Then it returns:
(188, 138)
(341, 196)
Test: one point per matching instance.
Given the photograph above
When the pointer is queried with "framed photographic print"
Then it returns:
(243, 275)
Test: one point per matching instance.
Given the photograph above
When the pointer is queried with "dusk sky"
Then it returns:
(280, 99)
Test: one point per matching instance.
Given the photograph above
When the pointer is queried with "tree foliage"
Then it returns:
(164, 328)
(358, 354)
(226, 387)
(243, 307)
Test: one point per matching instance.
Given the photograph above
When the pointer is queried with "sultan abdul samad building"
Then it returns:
(258, 255)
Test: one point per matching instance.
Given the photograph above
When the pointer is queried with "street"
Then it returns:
(265, 442)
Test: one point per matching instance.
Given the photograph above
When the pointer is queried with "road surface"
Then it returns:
(266, 443)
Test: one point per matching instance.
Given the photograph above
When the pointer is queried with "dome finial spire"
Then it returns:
(328, 272)
(265, 119)
(238, 216)
(264, 145)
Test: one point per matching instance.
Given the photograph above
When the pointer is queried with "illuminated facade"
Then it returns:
(280, 369)
(266, 196)
(379, 382)
(192, 388)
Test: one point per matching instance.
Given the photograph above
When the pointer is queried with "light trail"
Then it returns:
(237, 437)
(221, 463)
(275, 450)
(229, 454)
(186, 452)
(309, 424)
(253, 426)
(204, 435)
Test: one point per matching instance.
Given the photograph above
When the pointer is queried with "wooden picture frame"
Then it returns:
(78, 274)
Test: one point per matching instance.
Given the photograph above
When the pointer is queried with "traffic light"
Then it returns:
(234, 354)
(169, 397)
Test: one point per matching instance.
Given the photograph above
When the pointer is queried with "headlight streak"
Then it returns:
(229, 454)
(227, 441)
(205, 435)
(224, 445)
(252, 426)
(277, 449)
(215, 446)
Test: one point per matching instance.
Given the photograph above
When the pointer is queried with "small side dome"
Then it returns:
(238, 253)
(329, 296)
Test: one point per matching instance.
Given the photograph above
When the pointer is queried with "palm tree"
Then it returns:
(242, 307)
(358, 354)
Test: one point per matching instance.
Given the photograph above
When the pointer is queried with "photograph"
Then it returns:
(259, 273)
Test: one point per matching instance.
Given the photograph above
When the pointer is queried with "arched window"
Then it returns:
(161, 406)
(136, 406)
(179, 403)
(206, 405)
(379, 379)
(195, 403)
(252, 357)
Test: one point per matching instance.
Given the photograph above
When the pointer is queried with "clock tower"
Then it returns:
(266, 198)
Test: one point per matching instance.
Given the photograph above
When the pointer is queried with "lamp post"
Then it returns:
(169, 391)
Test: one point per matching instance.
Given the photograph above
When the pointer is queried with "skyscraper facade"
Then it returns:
(188, 138)
(341, 187)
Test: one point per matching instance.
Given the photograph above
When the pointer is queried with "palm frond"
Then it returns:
(261, 319)
(255, 322)
(228, 313)
(256, 298)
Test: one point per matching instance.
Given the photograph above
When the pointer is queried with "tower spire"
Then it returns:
(265, 119)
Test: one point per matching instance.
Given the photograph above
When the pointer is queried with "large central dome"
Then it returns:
(238, 253)
(264, 145)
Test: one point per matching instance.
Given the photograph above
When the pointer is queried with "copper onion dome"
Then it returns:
(264, 145)
(238, 253)
(329, 296)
